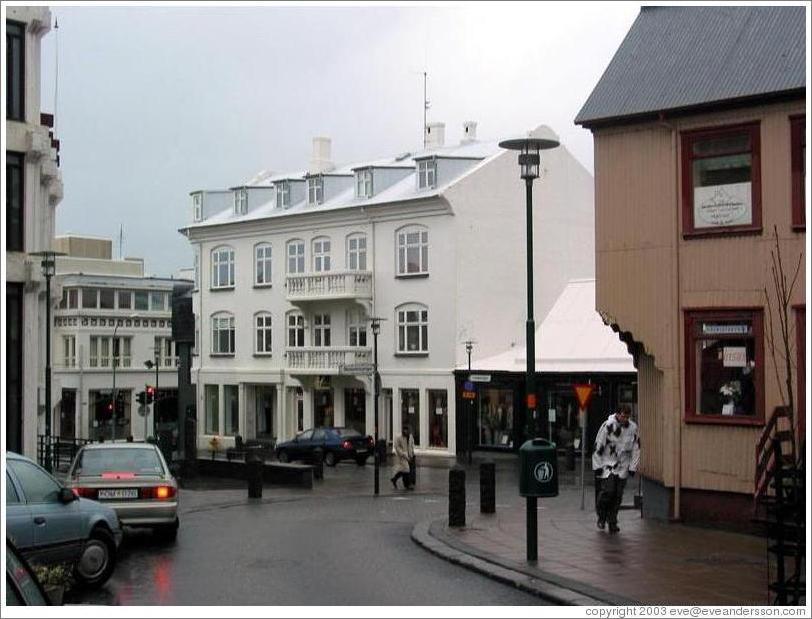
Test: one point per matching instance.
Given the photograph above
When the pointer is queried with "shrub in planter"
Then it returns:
(55, 579)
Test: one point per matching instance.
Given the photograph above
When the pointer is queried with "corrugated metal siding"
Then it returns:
(651, 416)
(674, 57)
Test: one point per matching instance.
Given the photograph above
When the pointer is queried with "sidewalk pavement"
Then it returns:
(648, 562)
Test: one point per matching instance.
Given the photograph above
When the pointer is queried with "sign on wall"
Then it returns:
(723, 205)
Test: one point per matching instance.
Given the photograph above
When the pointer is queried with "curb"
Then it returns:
(549, 591)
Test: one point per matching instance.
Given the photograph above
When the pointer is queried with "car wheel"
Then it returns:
(167, 532)
(361, 460)
(283, 456)
(330, 458)
(97, 559)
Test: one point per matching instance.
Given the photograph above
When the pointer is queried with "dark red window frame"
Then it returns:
(797, 129)
(756, 316)
(687, 141)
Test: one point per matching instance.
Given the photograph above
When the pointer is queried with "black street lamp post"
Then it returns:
(375, 324)
(48, 270)
(469, 346)
(529, 161)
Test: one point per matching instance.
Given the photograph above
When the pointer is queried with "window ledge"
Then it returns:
(221, 288)
(221, 354)
(410, 275)
(718, 232)
(799, 228)
(263, 354)
(724, 420)
(412, 354)
(263, 285)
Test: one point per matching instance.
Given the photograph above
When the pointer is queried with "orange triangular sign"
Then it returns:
(583, 394)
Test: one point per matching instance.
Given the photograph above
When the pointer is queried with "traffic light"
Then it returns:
(141, 397)
(150, 394)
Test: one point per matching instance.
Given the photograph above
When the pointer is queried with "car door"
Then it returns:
(57, 526)
(301, 445)
(319, 440)
(19, 527)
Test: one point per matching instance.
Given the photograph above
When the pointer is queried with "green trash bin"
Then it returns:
(538, 469)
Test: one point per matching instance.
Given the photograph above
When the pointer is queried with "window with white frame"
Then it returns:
(222, 267)
(363, 183)
(283, 194)
(141, 300)
(222, 334)
(296, 251)
(69, 351)
(157, 301)
(264, 339)
(262, 264)
(357, 252)
(321, 330)
(413, 329)
(104, 350)
(356, 328)
(315, 190)
(321, 255)
(197, 207)
(125, 299)
(241, 201)
(165, 353)
(413, 251)
(70, 298)
(296, 334)
(426, 173)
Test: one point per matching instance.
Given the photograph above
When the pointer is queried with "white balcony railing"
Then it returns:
(324, 359)
(331, 285)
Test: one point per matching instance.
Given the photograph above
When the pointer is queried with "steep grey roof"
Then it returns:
(680, 57)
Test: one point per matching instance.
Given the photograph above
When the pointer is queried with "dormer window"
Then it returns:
(283, 194)
(426, 173)
(197, 207)
(315, 190)
(241, 201)
(363, 184)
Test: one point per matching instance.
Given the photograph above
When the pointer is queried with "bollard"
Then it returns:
(456, 497)
(487, 488)
(253, 469)
(318, 464)
(569, 455)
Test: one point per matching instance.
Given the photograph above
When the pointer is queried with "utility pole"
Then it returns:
(469, 346)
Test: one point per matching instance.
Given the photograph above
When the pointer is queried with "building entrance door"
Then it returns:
(67, 414)
(323, 407)
(355, 409)
(264, 403)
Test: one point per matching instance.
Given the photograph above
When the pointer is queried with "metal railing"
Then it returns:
(330, 285)
(61, 450)
(320, 359)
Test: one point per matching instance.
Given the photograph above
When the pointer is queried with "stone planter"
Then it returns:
(55, 593)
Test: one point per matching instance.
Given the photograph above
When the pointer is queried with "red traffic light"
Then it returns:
(150, 390)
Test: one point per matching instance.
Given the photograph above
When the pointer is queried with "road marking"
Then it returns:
(401, 498)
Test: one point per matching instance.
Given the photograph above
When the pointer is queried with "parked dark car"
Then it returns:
(336, 443)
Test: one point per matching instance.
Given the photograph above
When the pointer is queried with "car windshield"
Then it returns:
(347, 432)
(134, 461)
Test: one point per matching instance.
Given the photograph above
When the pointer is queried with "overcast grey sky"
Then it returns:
(156, 102)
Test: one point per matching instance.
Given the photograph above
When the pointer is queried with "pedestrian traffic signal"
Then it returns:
(141, 397)
(150, 394)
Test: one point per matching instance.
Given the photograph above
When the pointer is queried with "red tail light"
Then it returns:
(158, 492)
(87, 493)
(346, 445)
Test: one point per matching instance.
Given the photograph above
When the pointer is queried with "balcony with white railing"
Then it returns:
(329, 285)
(325, 359)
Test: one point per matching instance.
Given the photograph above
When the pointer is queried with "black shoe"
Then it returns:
(601, 524)
(613, 528)
(394, 482)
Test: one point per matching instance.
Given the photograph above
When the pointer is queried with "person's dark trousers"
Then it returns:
(401, 475)
(412, 472)
(609, 499)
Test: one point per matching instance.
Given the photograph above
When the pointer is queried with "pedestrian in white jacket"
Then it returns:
(616, 456)
(404, 454)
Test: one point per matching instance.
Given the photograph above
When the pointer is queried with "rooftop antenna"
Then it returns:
(120, 241)
(426, 105)
(56, 72)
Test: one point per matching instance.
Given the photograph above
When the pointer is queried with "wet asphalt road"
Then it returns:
(333, 545)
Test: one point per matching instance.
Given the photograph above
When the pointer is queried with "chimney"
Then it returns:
(320, 160)
(468, 132)
(435, 135)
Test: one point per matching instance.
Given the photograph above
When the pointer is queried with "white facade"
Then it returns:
(457, 214)
(110, 313)
(41, 188)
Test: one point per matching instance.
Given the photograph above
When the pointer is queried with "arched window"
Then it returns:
(321, 254)
(413, 328)
(296, 252)
(222, 333)
(262, 264)
(413, 251)
(264, 337)
(357, 252)
(222, 267)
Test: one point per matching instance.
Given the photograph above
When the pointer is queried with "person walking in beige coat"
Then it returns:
(404, 453)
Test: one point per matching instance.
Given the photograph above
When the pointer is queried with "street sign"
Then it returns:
(357, 368)
(468, 395)
(583, 393)
(142, 410)
(468, 385)
(479, 378)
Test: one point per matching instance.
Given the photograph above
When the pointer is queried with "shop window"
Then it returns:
(212, 404)
(438, 418)
(798, 163)
(410, 412)
(724, 377)
(495, 418)
(231, 403)
(721, 180)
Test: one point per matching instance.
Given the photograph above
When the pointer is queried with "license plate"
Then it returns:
(360, 451)
(119, 493)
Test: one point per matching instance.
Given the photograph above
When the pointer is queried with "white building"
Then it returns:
(33, 190)
(289, 267)
(110, 321)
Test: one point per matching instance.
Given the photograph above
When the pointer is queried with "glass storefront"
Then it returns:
(438, 418)
(355, 415)
(264, 403)
(495, 417)
(323, 407)
(410, 412)
(101, 414)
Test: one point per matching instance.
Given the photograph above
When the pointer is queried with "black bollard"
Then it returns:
(456, 497)
(487, 488)
(570, 457)
(253, 469)
(318, 464)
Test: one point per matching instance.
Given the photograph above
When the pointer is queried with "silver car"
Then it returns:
(133, 479)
